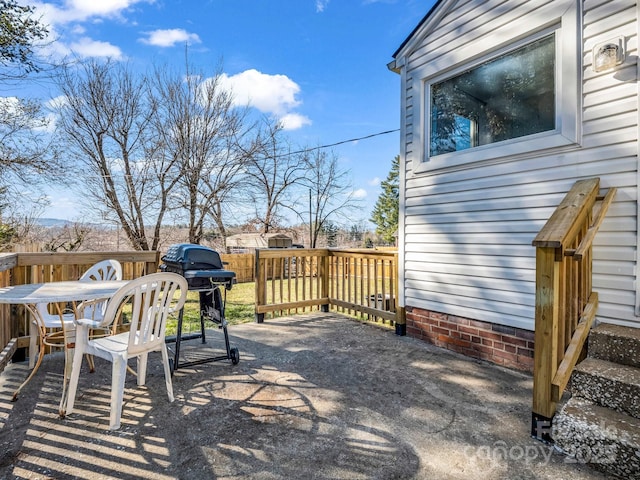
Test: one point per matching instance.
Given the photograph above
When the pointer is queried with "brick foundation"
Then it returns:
(507, 346)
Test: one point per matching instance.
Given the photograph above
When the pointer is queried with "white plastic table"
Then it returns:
(32, 294)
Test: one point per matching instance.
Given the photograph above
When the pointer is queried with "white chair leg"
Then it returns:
(68, 365)
(119, 372)
(142, 368)
(73, 382)
(167, 372)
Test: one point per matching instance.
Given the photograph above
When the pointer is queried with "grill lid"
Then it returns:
(191, 256)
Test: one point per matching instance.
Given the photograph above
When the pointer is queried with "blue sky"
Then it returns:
(318, 65)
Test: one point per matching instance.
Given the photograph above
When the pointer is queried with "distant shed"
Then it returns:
(249, 242)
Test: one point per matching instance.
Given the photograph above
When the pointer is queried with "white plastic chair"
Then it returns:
(104, 270)
(149, 300)
(101, 271)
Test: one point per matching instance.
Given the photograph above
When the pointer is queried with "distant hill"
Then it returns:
(53, 222)
(59, 222)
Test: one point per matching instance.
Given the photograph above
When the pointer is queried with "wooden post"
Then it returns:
(20, 316)
(7, 262)
(323, 273)
(401, 321)
(261, 287)
(152, 267)
(545, 360)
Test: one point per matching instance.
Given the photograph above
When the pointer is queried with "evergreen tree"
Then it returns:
(331, 233)
(385, 212)
(19, 33)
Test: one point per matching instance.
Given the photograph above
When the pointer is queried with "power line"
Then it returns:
(366, 137)
(341, 142)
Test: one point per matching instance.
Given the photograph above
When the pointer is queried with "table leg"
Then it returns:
(35, 367)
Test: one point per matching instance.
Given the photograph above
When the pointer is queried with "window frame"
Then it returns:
(568, 93)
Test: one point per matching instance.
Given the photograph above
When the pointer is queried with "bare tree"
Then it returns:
(274, 171)
(26, 151)
(106, 119)
(69, 238)
(224, 187)
(17, 222)
(25, 146)
(331, 194)
(28, 158)
(202, 132)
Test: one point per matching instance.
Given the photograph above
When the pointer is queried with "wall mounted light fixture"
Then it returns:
(608, 55)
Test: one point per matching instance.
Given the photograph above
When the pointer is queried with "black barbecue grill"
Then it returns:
(204, 271)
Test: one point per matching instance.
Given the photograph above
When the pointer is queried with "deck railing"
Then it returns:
(565, 303)
(358, 282)
(23, 268)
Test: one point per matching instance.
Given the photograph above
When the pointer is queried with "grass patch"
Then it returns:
(241, 303)
(240, 308)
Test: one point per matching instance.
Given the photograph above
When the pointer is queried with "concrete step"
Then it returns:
(607, 440)
(616, 344)
(608, 384)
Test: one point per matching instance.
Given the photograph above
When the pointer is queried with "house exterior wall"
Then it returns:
(466, 230)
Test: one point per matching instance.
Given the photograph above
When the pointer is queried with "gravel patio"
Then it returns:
(316, 396)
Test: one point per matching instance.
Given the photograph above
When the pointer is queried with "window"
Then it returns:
(508, 97)
(515, 91)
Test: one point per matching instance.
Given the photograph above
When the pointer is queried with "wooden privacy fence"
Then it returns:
(565, 303)
(23, 268)
(240, 263)
(359, 281)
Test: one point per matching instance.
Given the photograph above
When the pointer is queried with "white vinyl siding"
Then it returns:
(466, 230)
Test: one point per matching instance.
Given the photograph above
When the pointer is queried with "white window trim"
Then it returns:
(566, 23)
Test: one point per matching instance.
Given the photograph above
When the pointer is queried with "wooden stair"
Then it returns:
(600, 424)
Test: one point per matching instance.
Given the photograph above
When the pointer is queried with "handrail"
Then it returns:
(135, 263)
(565, 303)
(361, 281)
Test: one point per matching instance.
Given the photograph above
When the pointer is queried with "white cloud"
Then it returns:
(168, 38)
(272, 94)
(57, 102)
(321, 5)
(14, 109)
(73, 13)
(82, 10)
(268, 93)
(374, 182)
(53, 106)
(360, 193)
(78, 30)
(86, 47)
(100, 7)
(294, 121)
(10, 106)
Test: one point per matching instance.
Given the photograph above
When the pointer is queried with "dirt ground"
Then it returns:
(317, 396)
